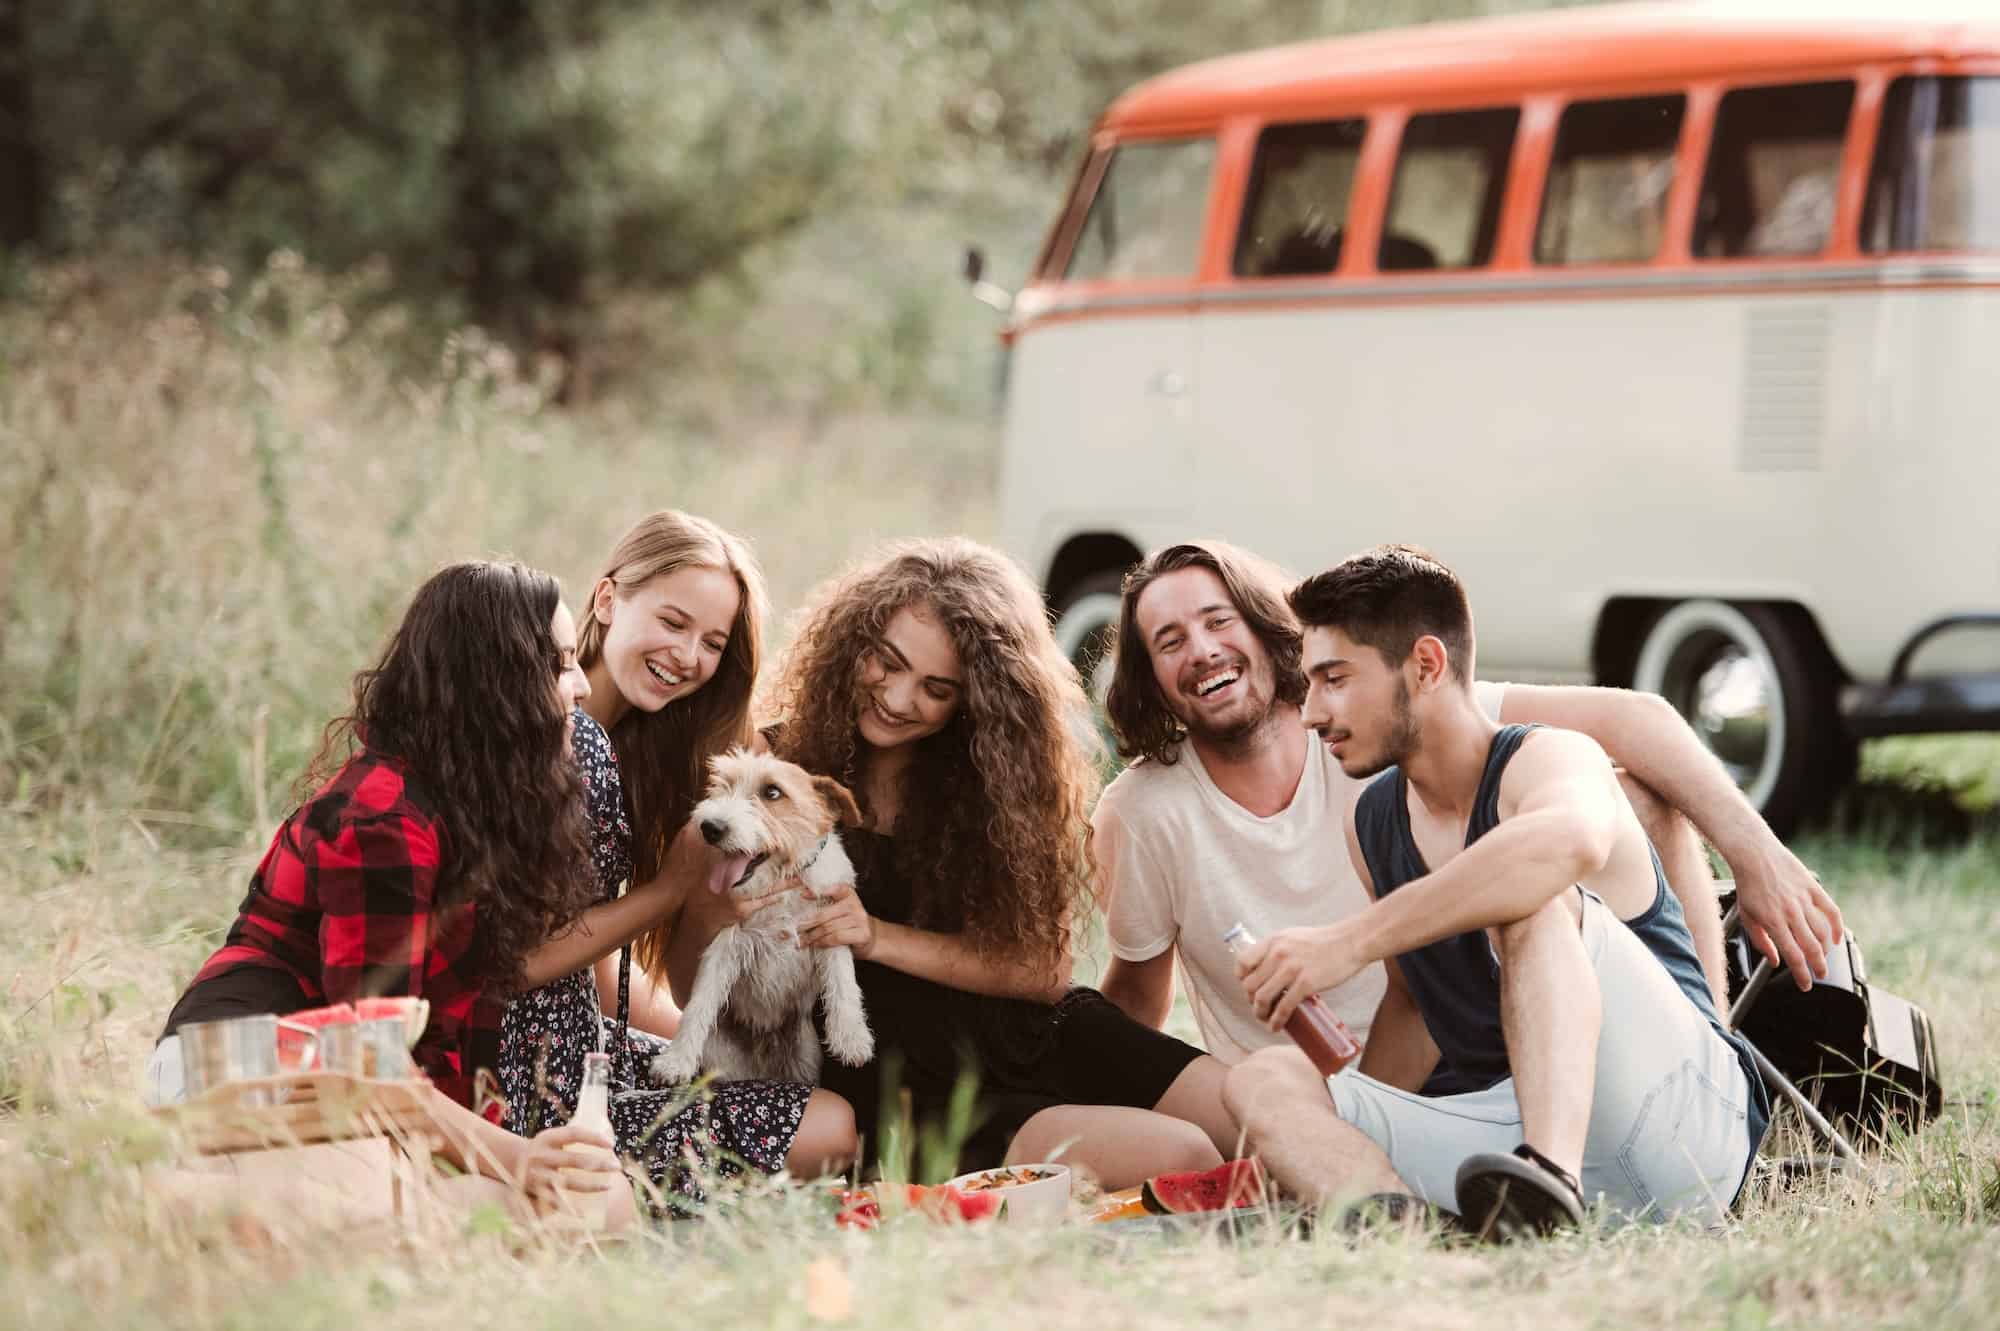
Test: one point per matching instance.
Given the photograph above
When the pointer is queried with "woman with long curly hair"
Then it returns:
(670, 644)
(442, 843)
(928, 682)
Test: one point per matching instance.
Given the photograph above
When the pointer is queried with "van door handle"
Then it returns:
(1168, 383)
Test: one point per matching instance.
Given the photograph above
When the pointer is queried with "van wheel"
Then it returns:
(1759, 693)
(1086, 628)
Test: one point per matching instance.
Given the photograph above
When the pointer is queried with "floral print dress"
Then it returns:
(678, 1134)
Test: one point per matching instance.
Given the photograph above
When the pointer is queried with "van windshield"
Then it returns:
(1936, 179)
(1146, 218)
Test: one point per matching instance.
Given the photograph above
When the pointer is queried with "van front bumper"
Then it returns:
(1933, 704)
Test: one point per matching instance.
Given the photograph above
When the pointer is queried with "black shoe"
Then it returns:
(1385, 1211)
(1502, 1197)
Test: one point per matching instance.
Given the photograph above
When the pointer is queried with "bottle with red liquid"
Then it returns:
(1313, 1027)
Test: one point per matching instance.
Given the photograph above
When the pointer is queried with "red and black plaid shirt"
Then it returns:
(346, 901)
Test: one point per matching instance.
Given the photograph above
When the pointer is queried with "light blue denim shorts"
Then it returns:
(1669, 1130)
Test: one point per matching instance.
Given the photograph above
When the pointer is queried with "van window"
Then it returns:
(1296, 210)
(1936, 180)
(1773, 171)
(1606, 200)
(1444, 207)
(1146, 218)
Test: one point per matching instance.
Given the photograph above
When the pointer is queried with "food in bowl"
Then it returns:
(1033, 1193)
(1007, 1177)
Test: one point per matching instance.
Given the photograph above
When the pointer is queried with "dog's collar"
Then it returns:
(813, 858)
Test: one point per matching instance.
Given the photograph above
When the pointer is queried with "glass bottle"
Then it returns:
(1313, 1027)
(593, 1110)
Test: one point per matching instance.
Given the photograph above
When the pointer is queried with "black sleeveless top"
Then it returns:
(1456, 981)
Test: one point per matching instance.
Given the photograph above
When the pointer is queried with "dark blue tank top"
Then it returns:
(1456, 981)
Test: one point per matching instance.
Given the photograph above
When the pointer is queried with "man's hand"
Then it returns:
(1787, 915)
(842, 921)
(1290, 966)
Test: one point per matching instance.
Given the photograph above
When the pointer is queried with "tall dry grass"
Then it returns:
(217, 497)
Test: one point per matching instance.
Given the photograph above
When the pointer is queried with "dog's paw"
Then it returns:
(679, 1064)
(853, 1045)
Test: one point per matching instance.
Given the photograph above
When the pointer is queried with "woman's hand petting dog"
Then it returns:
(842, 921)
(539, 1166)
(719, 910)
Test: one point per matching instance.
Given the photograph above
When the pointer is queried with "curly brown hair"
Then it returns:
(663, 756)
(464, 696)
(996, 804)
(1144, 725)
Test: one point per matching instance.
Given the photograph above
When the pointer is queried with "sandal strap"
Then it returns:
(1563, 1176)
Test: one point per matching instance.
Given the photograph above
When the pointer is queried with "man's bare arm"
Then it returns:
(1561, 820)
(1144, 990)
(1790, 917)
(1560, 829)
(1399, 1051)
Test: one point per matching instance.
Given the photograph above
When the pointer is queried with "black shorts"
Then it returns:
(1096, 1055)
(1100, 1056)
(246, 990)
(1026, 1057)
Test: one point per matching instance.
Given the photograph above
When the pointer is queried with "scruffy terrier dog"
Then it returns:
(751, 1013)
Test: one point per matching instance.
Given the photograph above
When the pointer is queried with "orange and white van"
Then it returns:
(1675, 328)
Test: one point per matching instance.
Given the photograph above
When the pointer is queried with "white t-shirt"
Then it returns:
(1182, 862)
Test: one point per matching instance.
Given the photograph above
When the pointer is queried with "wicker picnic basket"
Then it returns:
(303, 1108)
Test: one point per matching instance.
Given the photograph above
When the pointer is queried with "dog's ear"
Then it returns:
(845, 811)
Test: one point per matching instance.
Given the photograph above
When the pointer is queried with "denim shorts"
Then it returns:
(1669, 1130)
(164, 1083)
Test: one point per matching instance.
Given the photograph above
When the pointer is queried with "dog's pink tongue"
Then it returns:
(726, 871)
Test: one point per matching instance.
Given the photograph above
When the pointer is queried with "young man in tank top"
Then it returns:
(1230, 812)
(1528, 933)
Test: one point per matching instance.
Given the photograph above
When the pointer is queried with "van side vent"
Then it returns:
(1784, 388)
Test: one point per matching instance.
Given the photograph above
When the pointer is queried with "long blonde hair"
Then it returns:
(996, 805)
(664, 755)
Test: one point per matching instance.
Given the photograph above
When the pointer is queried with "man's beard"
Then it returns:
(1404, 737)
(1237, 734)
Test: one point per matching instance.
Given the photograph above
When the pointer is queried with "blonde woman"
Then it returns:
(670, 645)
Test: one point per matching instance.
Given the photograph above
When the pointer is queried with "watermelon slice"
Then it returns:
(1237, 1183)
(944, 1202)
(862, 1209)
(414, 1013)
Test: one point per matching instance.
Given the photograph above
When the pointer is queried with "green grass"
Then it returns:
(105, 927)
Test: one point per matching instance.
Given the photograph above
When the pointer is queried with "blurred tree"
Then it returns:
(517, 162)
(23, 186)
(514, 157)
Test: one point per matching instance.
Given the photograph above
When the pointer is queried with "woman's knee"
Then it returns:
(1190, 1147)
(827, 1141)
(1057, 1130)
(1113, 1143)
(1269, 1074)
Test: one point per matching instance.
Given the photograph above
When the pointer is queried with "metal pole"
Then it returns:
(1782, 1084)
(1773, 1078)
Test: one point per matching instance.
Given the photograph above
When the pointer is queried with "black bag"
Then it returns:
(1863, 1054)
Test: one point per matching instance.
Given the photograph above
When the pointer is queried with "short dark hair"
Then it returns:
(1387, 598)
(1141, 721)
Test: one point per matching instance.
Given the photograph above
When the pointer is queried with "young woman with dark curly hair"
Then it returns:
(927, 681)
(442, 843)
(670, 644)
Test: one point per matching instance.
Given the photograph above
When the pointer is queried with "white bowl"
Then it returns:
(1045, 1201)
